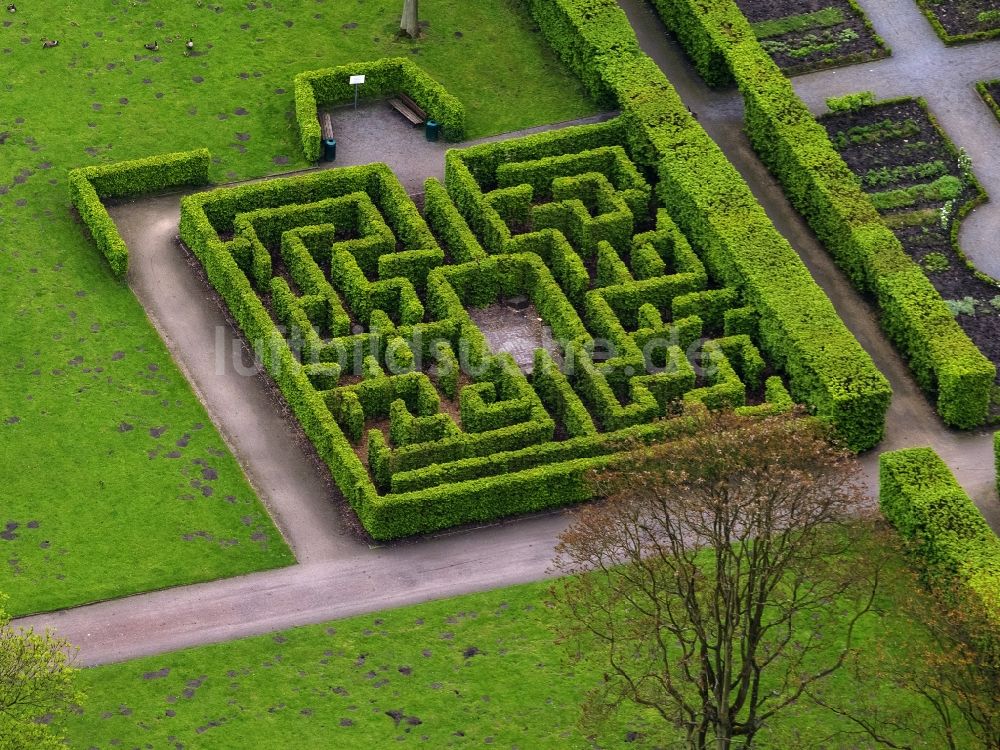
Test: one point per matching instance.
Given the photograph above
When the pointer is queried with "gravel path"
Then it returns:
(337, 574)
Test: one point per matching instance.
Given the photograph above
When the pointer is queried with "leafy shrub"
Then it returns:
(883, 130)
(936, 262)
(809, 44)
(888, 175)
(964, 306)
(947, 187)
(850, 102)
(799, 22)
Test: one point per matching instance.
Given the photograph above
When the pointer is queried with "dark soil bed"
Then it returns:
(816, 45)
(926, 145)
(963, 20)
(974, 298)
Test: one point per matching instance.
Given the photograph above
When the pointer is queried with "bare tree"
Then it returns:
(36, 680)
(410, 22)
(722, 575)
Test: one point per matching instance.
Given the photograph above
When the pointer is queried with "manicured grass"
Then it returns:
(97, 516)
(473, 670)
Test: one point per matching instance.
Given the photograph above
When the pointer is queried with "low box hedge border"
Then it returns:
(89, 187)
(973, 36)
(983, 88)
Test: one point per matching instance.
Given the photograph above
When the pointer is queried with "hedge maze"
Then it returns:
(636, 243)
(358, 305)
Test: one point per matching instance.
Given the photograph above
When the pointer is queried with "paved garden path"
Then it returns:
(338, 575)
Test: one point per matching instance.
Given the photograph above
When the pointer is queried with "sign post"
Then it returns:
(356, 81)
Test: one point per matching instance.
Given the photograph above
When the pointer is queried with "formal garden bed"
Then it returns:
(922, 187)
(962, 20)
(813, 35)
(798, 151)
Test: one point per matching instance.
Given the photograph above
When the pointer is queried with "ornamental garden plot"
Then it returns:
(806, 36)
(916, 179)
(962, 20)
(362, 308)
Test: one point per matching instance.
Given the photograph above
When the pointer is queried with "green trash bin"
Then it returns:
(329, 149)
(432, 130)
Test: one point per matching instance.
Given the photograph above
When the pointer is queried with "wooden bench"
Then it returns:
(326, 126)
(409, 109)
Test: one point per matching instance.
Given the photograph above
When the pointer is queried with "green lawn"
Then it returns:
(464, 672)
(86, 510)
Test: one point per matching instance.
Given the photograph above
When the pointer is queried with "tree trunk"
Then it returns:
(410, 23)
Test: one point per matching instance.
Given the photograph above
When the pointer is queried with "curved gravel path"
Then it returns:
(337, 575)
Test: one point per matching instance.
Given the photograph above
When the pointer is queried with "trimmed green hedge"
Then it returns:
(291, 378)
(89, 186)
(588, 35)
(819, 184)
(385, 77)
(798, 326)
(451, 475)
(983, 88)
(945, 531)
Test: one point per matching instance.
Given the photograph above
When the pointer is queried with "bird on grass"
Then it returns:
(12, 8)
(154, 47)
(50, 43)
(189, 44)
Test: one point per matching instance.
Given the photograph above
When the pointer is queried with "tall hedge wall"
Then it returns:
(945, 531)
(819, 184)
